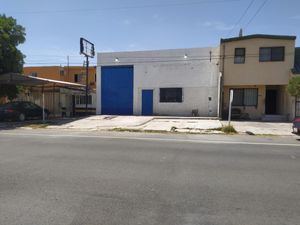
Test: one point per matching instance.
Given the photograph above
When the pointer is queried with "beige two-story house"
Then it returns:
(257, 68)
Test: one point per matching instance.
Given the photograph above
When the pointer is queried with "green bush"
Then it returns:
(229, 129)
(293, 87)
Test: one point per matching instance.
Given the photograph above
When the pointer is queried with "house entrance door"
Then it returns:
(271, 102)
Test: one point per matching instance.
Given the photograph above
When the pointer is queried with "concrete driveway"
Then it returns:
(142, 123)
(177, 124)
(105, 122)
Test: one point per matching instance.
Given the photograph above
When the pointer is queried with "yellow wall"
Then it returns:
(253, 72)
(72, 70)
(53, 72)
(50, 72)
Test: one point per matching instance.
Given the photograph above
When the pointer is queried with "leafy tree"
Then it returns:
(9, 91)
(294, 86)
(11, 58)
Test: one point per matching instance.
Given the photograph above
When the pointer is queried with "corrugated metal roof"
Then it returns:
(19, 79)
(57, 81)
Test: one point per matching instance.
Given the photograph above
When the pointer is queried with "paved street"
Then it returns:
(73, 178)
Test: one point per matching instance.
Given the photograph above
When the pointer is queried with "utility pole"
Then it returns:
(86, 85)
(87, 49)
(230, 104)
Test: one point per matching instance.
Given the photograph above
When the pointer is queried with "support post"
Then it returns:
(219, 95)
(296, 98)
(53, 99)
(86, 85)
(43, 103)
(230, 103)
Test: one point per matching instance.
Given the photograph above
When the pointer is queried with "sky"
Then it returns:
(53, 28)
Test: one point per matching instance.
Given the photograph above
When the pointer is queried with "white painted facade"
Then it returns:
(194, 70)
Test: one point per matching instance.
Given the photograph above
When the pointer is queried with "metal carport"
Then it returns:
(37, 82)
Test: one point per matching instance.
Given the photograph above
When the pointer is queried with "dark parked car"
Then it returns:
(21, 111)
(296, 124)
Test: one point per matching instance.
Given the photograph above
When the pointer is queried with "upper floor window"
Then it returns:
(78, 78)
(34, 74)
(268, 54)
(239, 55)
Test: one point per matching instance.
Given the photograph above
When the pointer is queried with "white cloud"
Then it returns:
(217, 25)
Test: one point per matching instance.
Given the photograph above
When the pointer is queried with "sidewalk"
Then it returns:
(186, 125)
(143, 123)
(262, 128)
(195, 125)
(172, 124)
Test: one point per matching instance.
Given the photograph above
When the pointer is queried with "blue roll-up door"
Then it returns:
(117, 90)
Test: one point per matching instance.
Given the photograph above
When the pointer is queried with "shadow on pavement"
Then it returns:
(35, 124)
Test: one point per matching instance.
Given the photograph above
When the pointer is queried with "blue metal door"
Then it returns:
(117, 90)
(147, 102)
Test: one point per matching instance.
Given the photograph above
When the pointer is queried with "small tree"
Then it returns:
(11, 58)
(293, 87)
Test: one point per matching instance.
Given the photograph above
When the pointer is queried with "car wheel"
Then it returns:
(21, 117)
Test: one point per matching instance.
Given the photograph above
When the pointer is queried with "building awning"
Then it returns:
(22, 80)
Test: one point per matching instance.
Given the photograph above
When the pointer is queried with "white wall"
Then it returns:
(197, 75)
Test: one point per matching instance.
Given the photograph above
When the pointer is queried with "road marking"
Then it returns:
(151, 139)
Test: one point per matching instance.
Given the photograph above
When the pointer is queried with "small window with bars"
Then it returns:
(170, 95)
(245, 97)
(80, 100)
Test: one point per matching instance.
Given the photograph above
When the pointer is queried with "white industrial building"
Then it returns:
(176, 82)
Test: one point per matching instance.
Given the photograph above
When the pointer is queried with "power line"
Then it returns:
(158, 60)
(36, 55)
(51, 63)
(256, 13)
(242, 16)
(126, 7)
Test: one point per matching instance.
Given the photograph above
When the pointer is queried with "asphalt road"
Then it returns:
(90, 179)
